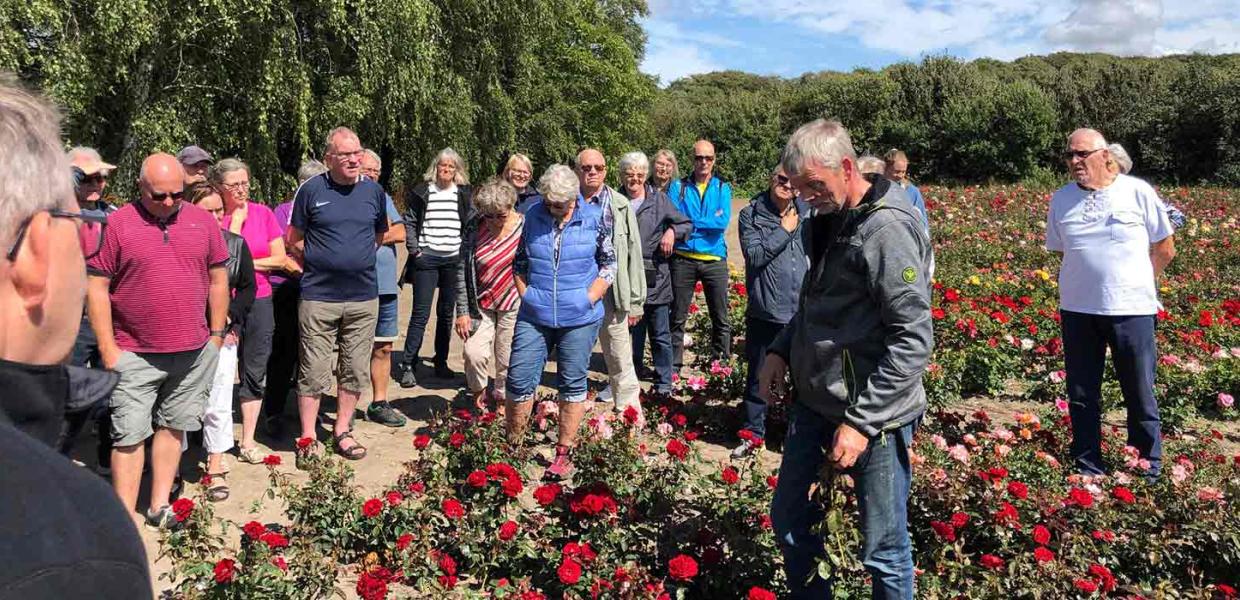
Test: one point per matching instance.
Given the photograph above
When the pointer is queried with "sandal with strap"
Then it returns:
(355, 452)
(217, 490)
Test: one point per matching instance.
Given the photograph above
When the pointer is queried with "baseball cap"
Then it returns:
(90, 163)
(192, 155)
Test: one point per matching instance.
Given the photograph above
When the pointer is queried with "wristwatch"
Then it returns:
(219, 333)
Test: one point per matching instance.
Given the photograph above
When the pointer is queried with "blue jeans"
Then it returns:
(758, 337)
(658, 322)
(882, 474)
(531, 343)
(1085, 342)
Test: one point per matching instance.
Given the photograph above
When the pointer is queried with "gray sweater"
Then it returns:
(862, 335)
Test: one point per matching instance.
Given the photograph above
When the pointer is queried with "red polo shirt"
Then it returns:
(159, 276)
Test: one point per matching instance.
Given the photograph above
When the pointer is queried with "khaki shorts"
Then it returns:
(322, 324)
(169, 390)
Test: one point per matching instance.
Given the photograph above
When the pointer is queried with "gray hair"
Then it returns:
(34, 169)
(634, 160)
(671, 157)
(215, 175)
(309, 169)
(559, 185)
(329, 143)
(462, 175)
(895, 154)
(495, 196)
(821, 141)
(1121, 158)
(372, 155)
(871, 164)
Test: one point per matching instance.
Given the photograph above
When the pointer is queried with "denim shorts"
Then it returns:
(387, 329)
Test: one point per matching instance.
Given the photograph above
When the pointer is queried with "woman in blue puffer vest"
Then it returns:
(565, 263)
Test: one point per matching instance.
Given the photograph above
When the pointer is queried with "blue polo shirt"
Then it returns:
(339, 223)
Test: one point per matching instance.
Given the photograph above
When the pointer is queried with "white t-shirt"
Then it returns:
(441, 225)
(1105, 238)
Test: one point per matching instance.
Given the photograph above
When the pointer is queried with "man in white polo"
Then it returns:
(1115, 240)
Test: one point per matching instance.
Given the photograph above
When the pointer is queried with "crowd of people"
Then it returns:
(195, 294)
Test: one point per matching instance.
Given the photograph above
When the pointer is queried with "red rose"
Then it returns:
(452, 508)
(569, 571)
(274, 540)
(1123, 494)
(279, 562)
(546, 494)
(508, 530)
(225, 571)
(421, 441)
(1018, 489)
(1080, 497)
(532, 595)
(582, 551)
(1226, 590)
(447, 581)
(730, 476)
(1205, 319)
(697, 288)
(303, 443)
(944, 530)
(992, 562)
(1043, 555)
(272, 460)
(417, 488)
(682, 567)
(693, 308)
(371, 508)
(679, 420)
(630, 415)
(394, 498)
(691, 435)
(182, 508)
(677, 449)
(1041, 535)
(1104, 536)
(254, 529)
(477, 479)
(500, 471)
(959, 520)
(757, 593)
(937, 313)
(512, 486)
(404, 541)
(998, 473)
(740, 289)
(456, 440)
(372, 585)
(447, 564)
(1085, 586)
(1007, 515)
(772, 481)
(1103, 575)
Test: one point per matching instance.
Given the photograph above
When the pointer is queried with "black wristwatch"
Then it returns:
(219, 333)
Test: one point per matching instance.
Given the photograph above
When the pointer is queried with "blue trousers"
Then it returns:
(1085, 342)
(657, 321)
(531, 343)
(882, 474)
(758, 337)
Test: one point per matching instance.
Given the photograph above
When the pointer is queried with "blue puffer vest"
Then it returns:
(557, 293)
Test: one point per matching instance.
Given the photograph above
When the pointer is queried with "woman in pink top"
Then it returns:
(258, 225)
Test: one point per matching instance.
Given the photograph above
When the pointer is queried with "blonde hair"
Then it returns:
(518, 158)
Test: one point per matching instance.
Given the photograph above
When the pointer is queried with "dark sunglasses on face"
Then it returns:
(95, 179)
(589, 168)
(1081, 154)
(704, 158)
(177, 196)
(783, 181)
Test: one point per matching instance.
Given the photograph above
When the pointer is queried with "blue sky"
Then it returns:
(791, 37)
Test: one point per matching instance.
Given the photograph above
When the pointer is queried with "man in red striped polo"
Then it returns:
(162, 267)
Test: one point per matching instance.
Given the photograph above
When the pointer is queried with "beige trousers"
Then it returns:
(490, 343)
(613, 336)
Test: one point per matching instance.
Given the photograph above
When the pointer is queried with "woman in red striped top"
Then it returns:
(487, 298)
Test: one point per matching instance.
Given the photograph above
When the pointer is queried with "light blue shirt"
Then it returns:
(385, 255)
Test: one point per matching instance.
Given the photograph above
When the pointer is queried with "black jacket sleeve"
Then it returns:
(243, 290)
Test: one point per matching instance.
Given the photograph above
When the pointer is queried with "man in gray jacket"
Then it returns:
(857, 348)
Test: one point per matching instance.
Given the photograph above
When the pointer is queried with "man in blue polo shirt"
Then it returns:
(338, 220)
(703, 256)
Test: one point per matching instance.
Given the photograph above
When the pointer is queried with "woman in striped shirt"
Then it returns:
(487, 298)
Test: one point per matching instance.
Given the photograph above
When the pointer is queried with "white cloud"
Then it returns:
(672, 53)
(1003, 29)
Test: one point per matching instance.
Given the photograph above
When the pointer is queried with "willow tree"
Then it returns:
(264, 80)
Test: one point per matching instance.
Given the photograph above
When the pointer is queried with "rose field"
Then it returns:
(655, 508)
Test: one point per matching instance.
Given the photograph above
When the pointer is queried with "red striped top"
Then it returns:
(493, 258)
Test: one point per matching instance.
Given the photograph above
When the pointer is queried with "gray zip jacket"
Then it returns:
(862, 334)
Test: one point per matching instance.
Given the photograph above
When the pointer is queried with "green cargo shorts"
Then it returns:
(166, 390)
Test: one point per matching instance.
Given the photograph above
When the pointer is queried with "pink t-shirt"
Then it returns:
(259, 229)
(159, 276)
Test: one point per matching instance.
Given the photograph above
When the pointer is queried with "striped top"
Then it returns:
(497, 289)
(441, 225)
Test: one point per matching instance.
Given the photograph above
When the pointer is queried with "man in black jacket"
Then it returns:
(65, 533)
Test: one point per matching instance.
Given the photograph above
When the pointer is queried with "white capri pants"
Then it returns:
(217, 419)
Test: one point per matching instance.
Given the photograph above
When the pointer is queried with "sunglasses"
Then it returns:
(596, 168)
(783, 181)
(704, 158)
(1081, 154)
(96, 179)
(177, 196)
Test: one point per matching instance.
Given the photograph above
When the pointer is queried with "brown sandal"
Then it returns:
(355, 452)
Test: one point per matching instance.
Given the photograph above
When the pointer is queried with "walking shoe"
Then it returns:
(742, 450)
(162, 518)
(561, 465)
(383, 414)
(407, 378)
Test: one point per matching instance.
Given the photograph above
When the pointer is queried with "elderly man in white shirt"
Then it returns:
(1115, 240)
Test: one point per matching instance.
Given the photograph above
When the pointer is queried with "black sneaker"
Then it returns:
(443, 372)
(383, 414)
(408, 379)
(162, 518)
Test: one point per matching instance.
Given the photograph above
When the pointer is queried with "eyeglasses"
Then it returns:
(177, 196)
(90, 232)
(595, 168)
(783, 181)
(234, 187)
(96, 179)
(704, 158)
(1068, 155)
(353, 154)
